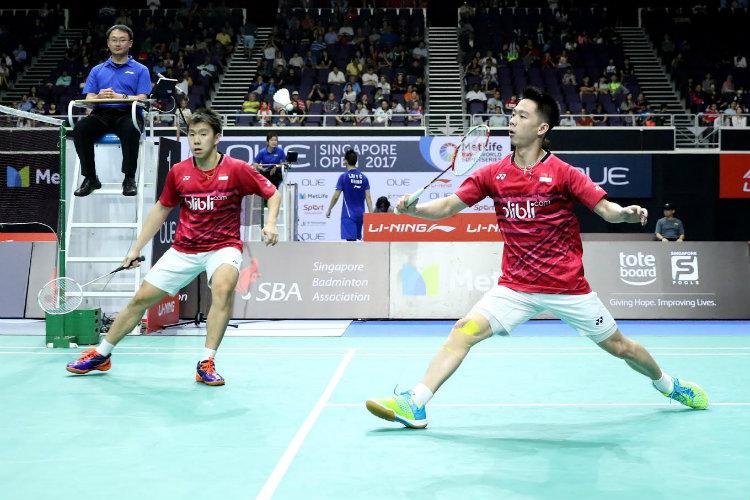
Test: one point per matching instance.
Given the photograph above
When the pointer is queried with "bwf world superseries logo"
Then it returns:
(685, 268)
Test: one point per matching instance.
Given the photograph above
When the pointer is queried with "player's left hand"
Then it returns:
(270, 235)
(635, 214)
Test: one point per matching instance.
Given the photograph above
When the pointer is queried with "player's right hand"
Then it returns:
(130, 262)
(402, 207)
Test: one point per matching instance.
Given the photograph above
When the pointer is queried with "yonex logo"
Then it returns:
(599, 320)
(500, 177)
(186, 178)
(16, 178)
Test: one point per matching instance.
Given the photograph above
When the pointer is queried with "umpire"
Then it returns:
(119, 77)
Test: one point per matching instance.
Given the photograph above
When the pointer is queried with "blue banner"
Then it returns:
(376, 154)
(620, 175)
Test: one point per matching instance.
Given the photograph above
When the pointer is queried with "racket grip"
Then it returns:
(122, 268)
(412, 199)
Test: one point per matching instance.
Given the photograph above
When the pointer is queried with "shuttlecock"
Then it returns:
(281, 97)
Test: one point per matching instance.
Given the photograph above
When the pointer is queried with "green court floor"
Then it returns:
(534, 417)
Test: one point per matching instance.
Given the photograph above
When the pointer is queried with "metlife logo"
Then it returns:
(20, 177)
(637, 269)
(685, 268)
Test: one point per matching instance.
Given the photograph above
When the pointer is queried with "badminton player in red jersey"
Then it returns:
(534, 193)
(209, 188)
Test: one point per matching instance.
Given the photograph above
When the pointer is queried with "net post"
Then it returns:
(61, 229)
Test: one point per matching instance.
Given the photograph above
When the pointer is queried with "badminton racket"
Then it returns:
(465, 157)
(63, 295)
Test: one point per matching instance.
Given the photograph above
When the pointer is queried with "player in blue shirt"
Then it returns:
(356, 189)
(119, 77)
(272, 154)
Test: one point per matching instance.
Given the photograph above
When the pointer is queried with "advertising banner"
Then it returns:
(29, 188)
(460, 227)
(734, 176)
(650, 280)
(620, 175)
(295, 281)
(694, 280)
(376, 153)
(441, 280)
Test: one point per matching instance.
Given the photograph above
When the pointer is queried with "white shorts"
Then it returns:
(505, 309)
(176, 269)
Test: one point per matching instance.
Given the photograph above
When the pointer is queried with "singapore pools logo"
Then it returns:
(685, 268)
(637, 269)
(420, 283)
(447, 151)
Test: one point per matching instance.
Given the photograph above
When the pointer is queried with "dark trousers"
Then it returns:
(107, 121)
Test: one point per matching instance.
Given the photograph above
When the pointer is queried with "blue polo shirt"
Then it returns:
(274, 157)
(131, 78)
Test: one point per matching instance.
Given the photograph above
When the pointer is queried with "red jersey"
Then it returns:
(543, 251)
(210, 202)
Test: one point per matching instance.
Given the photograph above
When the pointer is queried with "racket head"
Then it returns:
(470, 150)
(60, 296)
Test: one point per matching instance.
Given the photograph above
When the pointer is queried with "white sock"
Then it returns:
(104, 348)
(208, 353)
(664, 384)
(421, 394)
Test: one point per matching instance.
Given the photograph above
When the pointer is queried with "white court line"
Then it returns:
(400, 349)
(291, 451)
(365, 354)
(540, 405)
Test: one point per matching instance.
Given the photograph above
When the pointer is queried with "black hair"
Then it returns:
(382, 203)
(207, 116)
(546, 106)
(351, 157)
(120, 27)
(270, 135)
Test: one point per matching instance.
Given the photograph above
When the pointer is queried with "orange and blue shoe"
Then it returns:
(206, 373)
(90, 360)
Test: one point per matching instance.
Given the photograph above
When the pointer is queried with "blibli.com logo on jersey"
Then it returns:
(416, 282)
(200, 203)
(523, 210)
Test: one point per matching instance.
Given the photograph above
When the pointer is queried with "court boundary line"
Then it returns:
(282, 466)
(666, 404)
(363, 354)
(342, 350)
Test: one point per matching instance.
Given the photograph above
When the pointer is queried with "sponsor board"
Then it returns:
(460, 227)
(295, 281)
(734, 176)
